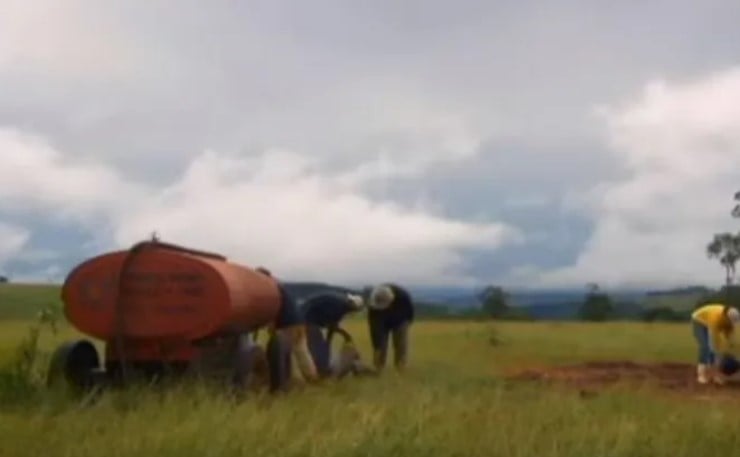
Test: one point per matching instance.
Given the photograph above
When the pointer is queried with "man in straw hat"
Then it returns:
(390, 313)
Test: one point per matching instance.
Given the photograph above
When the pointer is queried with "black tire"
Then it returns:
(279, 362)
(75, 363)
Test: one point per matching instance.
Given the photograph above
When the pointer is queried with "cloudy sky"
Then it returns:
(428, 142)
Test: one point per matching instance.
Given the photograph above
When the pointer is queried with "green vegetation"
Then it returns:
(679, 300)
(452, 401)
(597, 306)
(725, 247)
(23, 301)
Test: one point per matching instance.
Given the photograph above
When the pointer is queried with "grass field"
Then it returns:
(453, 401)
(22, 301)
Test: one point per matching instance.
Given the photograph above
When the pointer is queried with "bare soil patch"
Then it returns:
(593, 376)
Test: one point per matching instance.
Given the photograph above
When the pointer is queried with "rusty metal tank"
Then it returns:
(159, 291)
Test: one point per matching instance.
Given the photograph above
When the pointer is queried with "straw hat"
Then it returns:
(381, 297)
(733, 314)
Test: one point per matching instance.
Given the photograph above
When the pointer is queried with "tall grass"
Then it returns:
(24, 301)
(22, 374)
(451, 402)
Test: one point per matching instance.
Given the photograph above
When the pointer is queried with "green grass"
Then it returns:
(23, 301)
(452, 402)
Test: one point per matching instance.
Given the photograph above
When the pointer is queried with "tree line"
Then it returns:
(599, 306)
(725, 247)
(596, 305)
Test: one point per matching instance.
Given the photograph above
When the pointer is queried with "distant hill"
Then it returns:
(682, 299)
(454, 297)
(692, 290)
(563, 304)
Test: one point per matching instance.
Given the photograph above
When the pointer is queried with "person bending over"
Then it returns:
(713, 325)
(390, 314)
(290, 323)
(325, 311)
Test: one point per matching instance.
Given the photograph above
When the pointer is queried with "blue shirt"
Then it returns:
(326, 309)
(400, 311)
(288, 315)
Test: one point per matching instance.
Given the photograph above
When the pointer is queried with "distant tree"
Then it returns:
(596, 306)
(736, 209)
(4, 280)
(494, 301)
(726, 248)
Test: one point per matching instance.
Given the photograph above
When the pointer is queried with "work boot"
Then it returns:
(702, 372)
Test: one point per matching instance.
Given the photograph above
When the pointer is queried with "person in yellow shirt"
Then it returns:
(713, 325)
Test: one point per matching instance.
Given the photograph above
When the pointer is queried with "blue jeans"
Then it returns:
(701, 334)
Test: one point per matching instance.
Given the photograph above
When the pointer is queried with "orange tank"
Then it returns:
(158, 291)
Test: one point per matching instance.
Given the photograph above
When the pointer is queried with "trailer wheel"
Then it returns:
(279, 362)
(76, 363)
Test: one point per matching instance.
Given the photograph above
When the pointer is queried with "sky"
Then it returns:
(520, 143)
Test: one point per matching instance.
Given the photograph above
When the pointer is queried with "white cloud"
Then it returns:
(12, 241)
(680, 144)
(278, 209)
(36, 177)
(135, 92)
(301, 225)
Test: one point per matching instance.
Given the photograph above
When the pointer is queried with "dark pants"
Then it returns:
(380, 335)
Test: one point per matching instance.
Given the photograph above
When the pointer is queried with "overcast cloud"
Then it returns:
(425, 142)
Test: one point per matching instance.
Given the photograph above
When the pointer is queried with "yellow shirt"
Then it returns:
(719, 326)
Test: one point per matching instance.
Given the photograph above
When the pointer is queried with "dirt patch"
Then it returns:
(593, 376)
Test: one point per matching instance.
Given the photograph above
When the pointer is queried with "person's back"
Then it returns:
(712, 315)
(712, 327)
(326, 310)
(290, 323)
(390, 312)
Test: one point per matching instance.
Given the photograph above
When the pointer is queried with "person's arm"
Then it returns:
(718, 342)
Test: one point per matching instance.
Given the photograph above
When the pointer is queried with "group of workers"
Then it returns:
(390, 312)
(713, 326)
